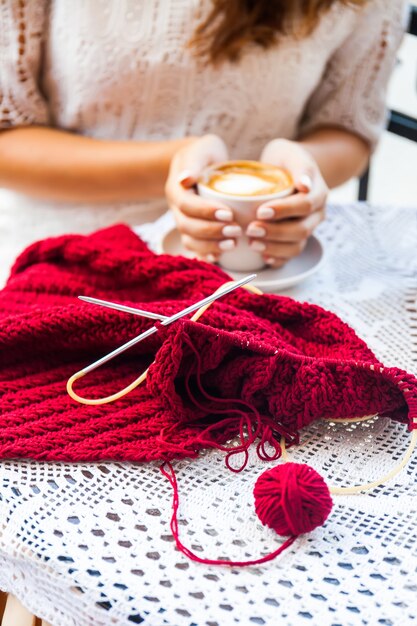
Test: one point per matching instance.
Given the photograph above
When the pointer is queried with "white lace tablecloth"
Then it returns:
(90, 545)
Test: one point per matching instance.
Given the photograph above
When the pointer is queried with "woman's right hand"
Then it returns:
(207, 227)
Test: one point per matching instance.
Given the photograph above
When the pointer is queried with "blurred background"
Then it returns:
(393, 178)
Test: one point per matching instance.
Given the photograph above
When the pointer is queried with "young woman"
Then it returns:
(106, 107)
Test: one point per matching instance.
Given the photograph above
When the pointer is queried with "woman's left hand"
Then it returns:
(283, 226)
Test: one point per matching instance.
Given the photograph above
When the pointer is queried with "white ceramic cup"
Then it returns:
(242, 258)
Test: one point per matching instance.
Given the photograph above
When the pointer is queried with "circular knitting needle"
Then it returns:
(165, 322)
(142, 377)
(123, 307)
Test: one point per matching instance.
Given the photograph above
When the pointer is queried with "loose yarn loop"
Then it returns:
(250, 424)
(292, 499)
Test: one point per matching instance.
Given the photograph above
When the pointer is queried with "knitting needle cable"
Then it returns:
(202, 304)
(336, 490)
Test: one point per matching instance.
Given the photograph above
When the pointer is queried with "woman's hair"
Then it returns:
(232, 24)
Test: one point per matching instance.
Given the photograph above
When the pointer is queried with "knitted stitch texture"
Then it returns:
(288, 363)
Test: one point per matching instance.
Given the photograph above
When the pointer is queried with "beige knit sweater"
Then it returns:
(121, 69)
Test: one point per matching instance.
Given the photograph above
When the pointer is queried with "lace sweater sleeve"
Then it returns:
(352, 91)
(22, 25)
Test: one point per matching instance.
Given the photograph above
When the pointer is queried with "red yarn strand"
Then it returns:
(171, 476)
(243, 422)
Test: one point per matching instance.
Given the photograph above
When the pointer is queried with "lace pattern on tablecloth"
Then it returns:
(90, 544)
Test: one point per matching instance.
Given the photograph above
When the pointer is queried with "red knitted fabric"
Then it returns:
(291, 362)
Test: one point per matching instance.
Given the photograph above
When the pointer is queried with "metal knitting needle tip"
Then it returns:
(123, 307)
(214, 296)
(147, 333)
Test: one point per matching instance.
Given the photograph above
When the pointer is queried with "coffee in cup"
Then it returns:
(244, 186)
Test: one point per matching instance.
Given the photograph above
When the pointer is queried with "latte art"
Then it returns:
(242, 184)
(247, 178)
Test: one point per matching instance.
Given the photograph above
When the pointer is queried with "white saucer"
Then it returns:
(269, 279)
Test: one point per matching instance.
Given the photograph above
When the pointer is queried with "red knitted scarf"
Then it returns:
(254, 366)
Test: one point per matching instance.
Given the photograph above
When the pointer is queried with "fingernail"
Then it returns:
(259, 246)
(255, 231)
(265, 213)
(210, 258)
(306, 182)
(231, 231)
(276, 263)
(186, 178)
(227, 244)
(223, 215)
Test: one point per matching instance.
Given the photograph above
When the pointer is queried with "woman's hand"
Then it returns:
(283, 226)
(207, 227)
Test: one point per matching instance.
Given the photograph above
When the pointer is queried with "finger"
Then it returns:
(304, 183)
(271, 249)
(297, 205)
(208, 149)
(192, 205)
(291, 230)
(275, 263)
(187, 178)
(293, 158)
(318, 191)
(211, 258)
(205, 247)
(206, 229)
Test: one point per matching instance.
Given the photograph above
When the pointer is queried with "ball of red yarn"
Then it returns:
(292, 499)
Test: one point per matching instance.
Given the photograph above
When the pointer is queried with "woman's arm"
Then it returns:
(339, 154)
(57, 165)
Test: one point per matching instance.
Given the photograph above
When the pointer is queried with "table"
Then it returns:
(90, 545)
